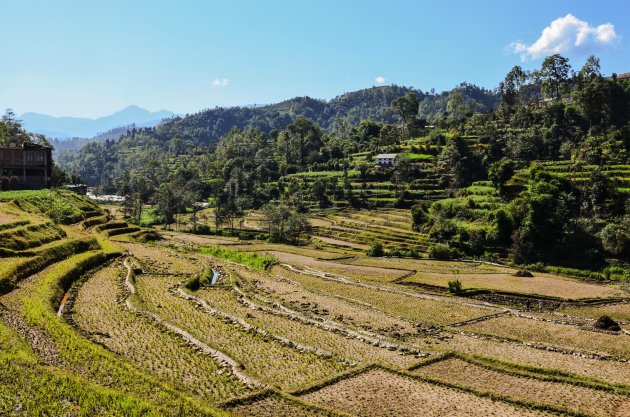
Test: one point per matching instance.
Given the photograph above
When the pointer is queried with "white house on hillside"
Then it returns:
(385, 160)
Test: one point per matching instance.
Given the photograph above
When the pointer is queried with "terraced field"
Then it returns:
(99, 317)
(390, 227)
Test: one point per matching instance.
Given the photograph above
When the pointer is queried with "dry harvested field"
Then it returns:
(619, 312)
(483, 276)
(378, 392)
(560, 335)
(288, 250)
(261, 357)
(276, 405)
(158, 260)
(99, 313)
(200, 240)
(280, 288)
(405, 305)
(521, 353)
(324, 331)
(339, 242)
(356, 271)
(541, 284)
(559, 395)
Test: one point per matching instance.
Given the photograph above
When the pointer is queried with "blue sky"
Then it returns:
(88, 58)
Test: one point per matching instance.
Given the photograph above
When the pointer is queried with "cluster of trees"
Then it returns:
(284, 223)
(550, 114)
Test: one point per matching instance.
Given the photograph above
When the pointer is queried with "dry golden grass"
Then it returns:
(431, 265)
(98, 313)
(614, 372)
(358, 271)
(158, 259)
(381, 393)
(353, 313)
(8, 213)
(476, 275)
(560, 335)
(288, 250)
(262, 358)
(199, 239)
(619, 312)
(304, 334)
(339, 242)
(540, 284)
(319, 221)
(405, 306)
(563, 395)
(275, 405)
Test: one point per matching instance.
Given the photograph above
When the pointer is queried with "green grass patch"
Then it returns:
(420, 156)
(61, 206)
(251, 259)
(150, 217)
(30, 236)
(19, 268)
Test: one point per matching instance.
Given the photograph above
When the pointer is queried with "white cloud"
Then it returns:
(565, 35)
(380, 79)
(220, 82)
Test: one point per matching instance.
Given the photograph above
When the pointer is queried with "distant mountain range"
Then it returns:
(72, 127)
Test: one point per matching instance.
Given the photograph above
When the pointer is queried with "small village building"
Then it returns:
(80, 189)
(30, 163)
(386, 160)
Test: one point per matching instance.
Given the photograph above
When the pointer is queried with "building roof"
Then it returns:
(386, 156)
(624, 75)
(27, 145)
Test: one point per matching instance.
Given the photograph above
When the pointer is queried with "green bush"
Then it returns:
(442, 251)
(194, 283)
(455, 286)
(404, 252)
(376, 250)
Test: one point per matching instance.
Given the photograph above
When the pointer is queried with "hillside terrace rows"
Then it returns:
(168, 350)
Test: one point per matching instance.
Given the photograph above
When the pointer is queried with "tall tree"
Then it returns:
(591, 92)
(554, 75)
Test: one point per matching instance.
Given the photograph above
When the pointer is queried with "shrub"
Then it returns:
(193, 283)
(376, 250)
(202, 229)
(606, 323)
(145, 236)
(455, 286)
(442, 251)
(14, 183)
(419, 216)
(403, 252)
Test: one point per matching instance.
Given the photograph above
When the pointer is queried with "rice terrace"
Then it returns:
(381, 250)
(123, 320)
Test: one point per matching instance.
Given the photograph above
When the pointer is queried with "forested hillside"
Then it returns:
(535, 171)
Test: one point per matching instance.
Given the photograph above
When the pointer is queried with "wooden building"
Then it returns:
(30, 162)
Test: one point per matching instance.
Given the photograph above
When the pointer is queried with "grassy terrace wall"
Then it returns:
(136, 393)
(61, 206)
(29, 236)
(31, 262)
